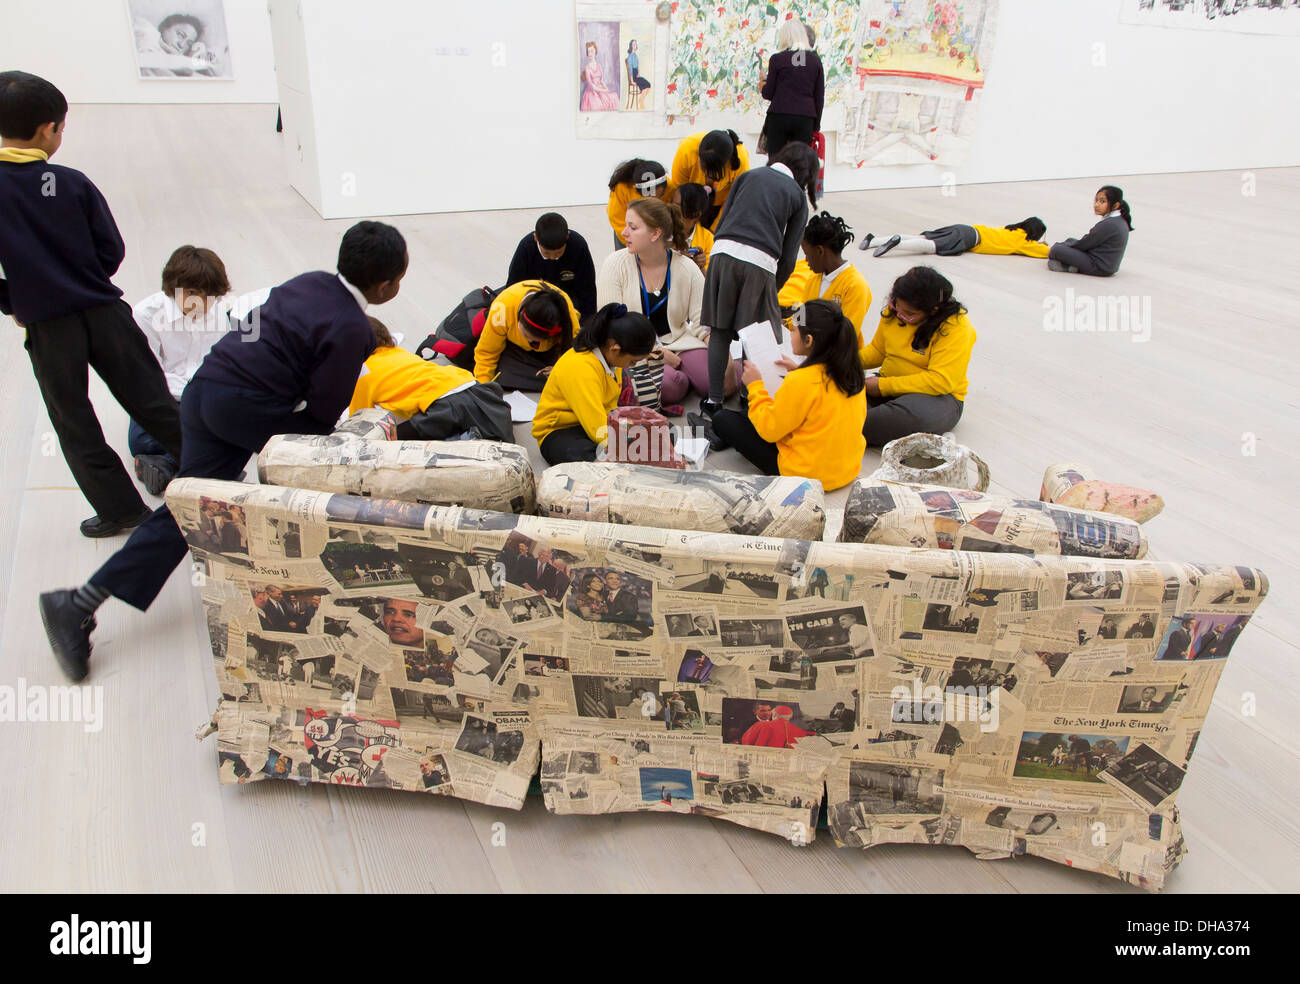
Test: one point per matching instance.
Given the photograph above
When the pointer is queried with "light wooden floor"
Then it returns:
(117, 810)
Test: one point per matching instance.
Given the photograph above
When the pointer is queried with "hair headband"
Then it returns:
(553, 330)
(647, 187)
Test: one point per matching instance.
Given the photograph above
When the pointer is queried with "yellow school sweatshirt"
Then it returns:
(402, 382)
(702, 240)
(578, 392)
(619, 199)
(1004, 242)
(817, 430)
(940, 369)
(686, 170)
(850, 288)
(502, 326)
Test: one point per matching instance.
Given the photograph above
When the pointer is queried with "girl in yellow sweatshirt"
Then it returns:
(441, 402)
(922, 347)
(527, 327)
(572, 413)
(631, 180)
(1019, 238)
(813, 425)
(824, 273)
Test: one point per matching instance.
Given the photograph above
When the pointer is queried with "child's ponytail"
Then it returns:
(1115, 196)
(834, 344)
(630, 331)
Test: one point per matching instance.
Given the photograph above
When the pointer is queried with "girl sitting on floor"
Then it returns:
(1097, 254)
(813, 426)
(1019, 238)
(527, 327)
(572, 414)
(922, 346)
(824, 273)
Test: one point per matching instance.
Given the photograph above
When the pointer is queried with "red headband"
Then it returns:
(553, 330)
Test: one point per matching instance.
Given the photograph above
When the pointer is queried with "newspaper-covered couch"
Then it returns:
(713, 502)
(1043, 705)
(478, 474)
(957, 519)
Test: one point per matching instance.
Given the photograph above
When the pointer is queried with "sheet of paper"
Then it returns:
(522, 408)
(693, 449)
(763, 350)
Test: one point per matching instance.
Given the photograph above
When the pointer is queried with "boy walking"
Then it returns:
(59, 247)
(294, 376)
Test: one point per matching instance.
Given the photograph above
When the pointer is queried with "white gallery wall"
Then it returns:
(447, 106)
(85, 47)
(407, 106)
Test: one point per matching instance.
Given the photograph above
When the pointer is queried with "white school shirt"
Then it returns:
(828, 281)
(179, 343)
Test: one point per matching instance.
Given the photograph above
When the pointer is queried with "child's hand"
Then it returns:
(751, 373)
(545, 370)
(671, 359)
(785, 362)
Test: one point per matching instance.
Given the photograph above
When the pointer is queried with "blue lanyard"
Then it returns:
(645, 297)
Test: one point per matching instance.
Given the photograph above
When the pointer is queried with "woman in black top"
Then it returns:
(796, 87)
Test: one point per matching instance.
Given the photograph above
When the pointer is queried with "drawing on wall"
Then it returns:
(175, 41)
(1233, 16)
(719, 48)
(621, 48)
(919, 71)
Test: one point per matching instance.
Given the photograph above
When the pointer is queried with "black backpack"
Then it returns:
(457, 334)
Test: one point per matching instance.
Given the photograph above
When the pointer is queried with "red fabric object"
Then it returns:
(777, 733)
(641, 436)
(819, 145)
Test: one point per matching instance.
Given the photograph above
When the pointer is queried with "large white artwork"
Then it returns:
(1235, 16)
(918, 74)
(180, 40)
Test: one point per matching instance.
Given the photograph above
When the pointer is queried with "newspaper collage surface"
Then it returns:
(1012, 704)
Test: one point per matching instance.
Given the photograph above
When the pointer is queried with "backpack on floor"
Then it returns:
(457, 335)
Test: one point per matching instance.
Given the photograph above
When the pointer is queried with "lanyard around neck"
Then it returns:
(645, 296)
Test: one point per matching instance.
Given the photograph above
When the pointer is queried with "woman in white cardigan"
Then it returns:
(655, 277)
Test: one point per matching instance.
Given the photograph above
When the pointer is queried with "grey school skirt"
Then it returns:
(737, 294)
(954, 239)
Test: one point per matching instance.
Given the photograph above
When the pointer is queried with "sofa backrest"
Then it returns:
(1001, 702)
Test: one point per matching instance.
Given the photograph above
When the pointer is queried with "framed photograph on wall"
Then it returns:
(180, 39)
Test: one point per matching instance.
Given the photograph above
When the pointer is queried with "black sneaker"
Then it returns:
(154, 471)
(68, 628)
(98, 526)
(866, 241)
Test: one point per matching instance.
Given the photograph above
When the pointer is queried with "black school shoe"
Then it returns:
(68, 628)
(155, 472)
(704, 426)
(887, 245)
(98, 526)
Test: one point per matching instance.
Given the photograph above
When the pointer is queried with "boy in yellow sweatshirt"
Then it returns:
(572, 413)
(441, 402)
(813, 426)
(527, 327)
(922, 347)
(824, 273)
